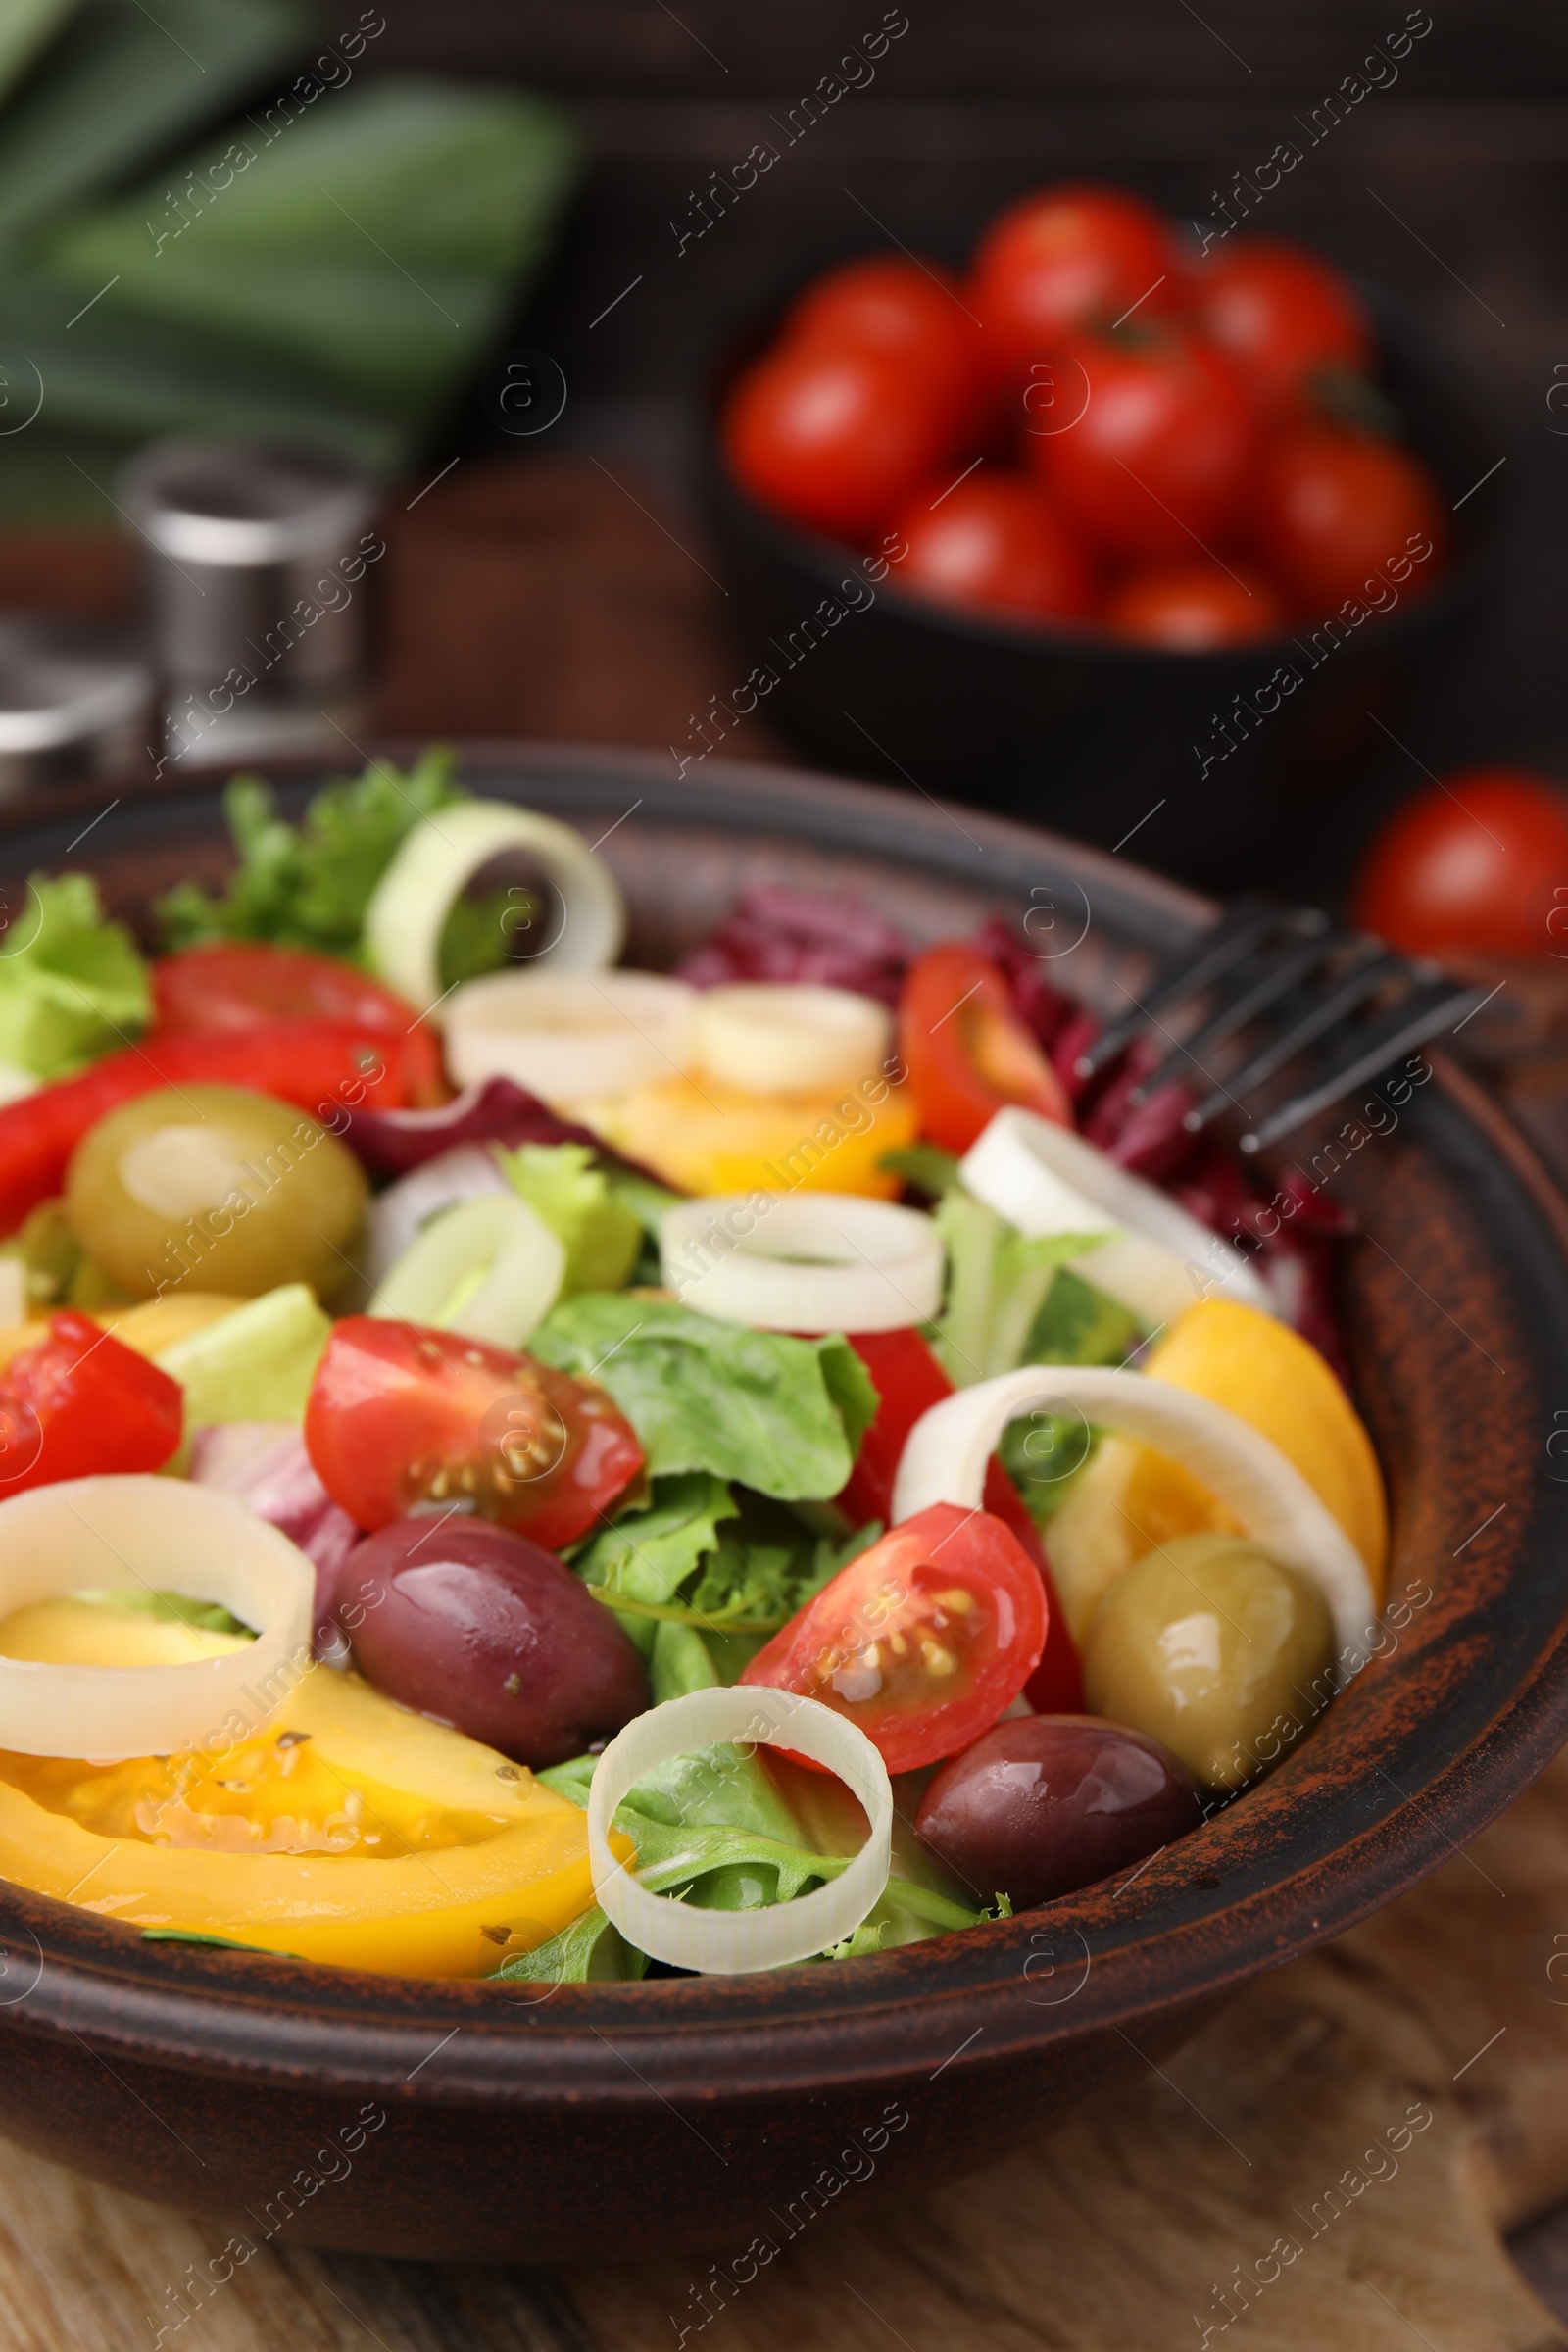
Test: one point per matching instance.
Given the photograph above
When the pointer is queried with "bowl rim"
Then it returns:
(1400, 326)
(263, 2019)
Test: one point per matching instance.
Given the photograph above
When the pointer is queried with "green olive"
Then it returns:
(1216, 1650)
(215, 1187)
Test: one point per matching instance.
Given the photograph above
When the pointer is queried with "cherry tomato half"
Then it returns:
(1191, 606)
(1065, 258)
(1479, 862)
(80, 1404)
(245, 983)
(1161, 450)
(399, 1418)
(911, 310)
(994, 542)
(967, 1054)
(1283, 317)
(832, 436)
(1333, 508)
(909, 1381)
(921, 1642)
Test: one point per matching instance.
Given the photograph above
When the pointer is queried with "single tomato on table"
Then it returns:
(401, 1419)
(80, 1404)
(967, 1054)
(911, 310)
(1479, 862)
(922, 1640)
(1162, 449)
(1064, 257)
(1332, 507)
(833, 436)
(992, 541)
(1285, 316)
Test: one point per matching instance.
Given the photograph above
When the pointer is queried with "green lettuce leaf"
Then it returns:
(997, 1282)
(72, 985)
(602, 1237)
(784, 1415)
(649, 1554)
(309, 885)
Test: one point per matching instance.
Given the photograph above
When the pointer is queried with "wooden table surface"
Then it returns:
(1335, 2161)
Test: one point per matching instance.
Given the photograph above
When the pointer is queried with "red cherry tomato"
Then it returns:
(908, 1380)
(80, 1404)
(399, 1418)
(921, 1642)
(1479, 862)
(967, 1054)
(913, 312)
(832, 436)
(1161, 450)
(1191, 606)
(993, 542)
(246, 984)
(325, 1067)
(1066, 258)
(1283, 317)
(1332, 509)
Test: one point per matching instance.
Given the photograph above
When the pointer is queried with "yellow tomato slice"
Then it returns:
(1130, 1499)
(347, 1829)
(709, 1137)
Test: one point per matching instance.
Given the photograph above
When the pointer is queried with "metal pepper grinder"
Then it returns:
(257, 573)
(77, 703)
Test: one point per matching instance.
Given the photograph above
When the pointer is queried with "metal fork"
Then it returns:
(1272, 984)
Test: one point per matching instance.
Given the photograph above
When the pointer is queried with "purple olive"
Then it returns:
(1044, 1803)
(487, 1632)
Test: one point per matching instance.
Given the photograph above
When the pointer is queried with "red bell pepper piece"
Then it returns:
(324, 1067)
(909, 1380)
(81, 1403)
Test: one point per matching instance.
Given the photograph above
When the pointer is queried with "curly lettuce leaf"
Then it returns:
(601, 1235)
(71, 984)
(784, 1415)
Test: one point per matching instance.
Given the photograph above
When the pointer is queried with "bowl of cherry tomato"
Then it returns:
(1098, 533)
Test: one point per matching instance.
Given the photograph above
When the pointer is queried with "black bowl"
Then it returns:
(541, 2126)
(1212, 761)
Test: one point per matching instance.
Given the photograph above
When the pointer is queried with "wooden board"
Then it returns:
(1333, 2162)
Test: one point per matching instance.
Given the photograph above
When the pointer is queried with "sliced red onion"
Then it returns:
(265, 1465)
(391, 1142)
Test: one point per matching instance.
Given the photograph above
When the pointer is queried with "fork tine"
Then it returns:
(1319, 1011)
(1247, 921)
(1421, 1014)
(1283, 968)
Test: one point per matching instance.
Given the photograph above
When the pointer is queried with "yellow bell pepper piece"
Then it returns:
(159, 1323)
(1130, 1500)
(348, 1829)
(710, 1137)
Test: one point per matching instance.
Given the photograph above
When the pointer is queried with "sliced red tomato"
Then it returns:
(921, 1642)
(80, 1404)
(909, 1381)
(246, 984)
(967, 1054)
(327, 1067)
(401, 1418)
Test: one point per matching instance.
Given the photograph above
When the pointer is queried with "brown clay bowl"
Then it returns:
(698, 2112)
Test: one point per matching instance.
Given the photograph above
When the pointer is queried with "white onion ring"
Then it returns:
(803, 1261)
(739, 1943)
(172, 1537)
(789, 1037)
(395, 1217)
(408, 912)
(945, 1452)
(1156, 1260)
(521, 1262)
(570, 1036)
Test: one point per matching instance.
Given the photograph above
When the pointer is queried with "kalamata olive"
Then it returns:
(1205, 1645)
(219, 1188)
(1044, 1803)
(487, 1632)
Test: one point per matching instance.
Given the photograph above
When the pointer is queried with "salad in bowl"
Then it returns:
(520, 1467)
